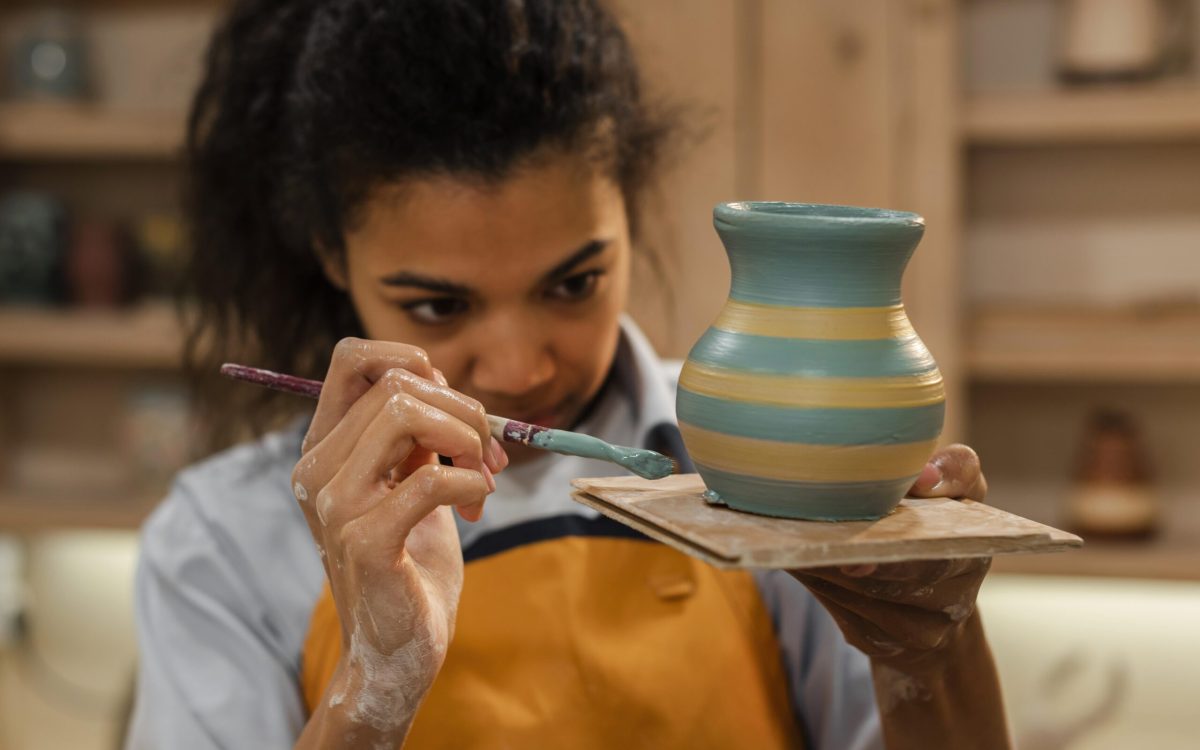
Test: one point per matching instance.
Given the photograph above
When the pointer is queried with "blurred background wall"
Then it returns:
(1052, 145)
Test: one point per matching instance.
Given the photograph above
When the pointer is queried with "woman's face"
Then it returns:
(514, 289)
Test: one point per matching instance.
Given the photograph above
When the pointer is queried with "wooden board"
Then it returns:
(673, 511)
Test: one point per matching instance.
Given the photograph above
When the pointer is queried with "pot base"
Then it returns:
(810, 501)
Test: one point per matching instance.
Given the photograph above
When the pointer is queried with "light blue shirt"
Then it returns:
(229, 575)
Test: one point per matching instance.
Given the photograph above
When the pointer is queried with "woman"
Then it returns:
(462, 176)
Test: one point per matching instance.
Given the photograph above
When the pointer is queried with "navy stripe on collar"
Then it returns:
(545, 529)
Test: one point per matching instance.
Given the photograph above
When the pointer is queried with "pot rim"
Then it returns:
(742, 212)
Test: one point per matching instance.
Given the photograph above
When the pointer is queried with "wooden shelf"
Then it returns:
(22, 513)
(80, 131)
(1100, 345)
(1084, 116)
(1173, 553)
(144, 337)
(1150, 559)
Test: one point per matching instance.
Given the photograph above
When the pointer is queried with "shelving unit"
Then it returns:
(1073, 344)
(140, 340)
(87, 132)
(23, 513)
(1156, 558)
(147, 336)
(1089, 179)
(70, 378)
(1074, 117)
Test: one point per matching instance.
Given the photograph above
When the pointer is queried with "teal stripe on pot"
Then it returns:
(817, 256)
(812, 426)
(816, 358)
(848, 501)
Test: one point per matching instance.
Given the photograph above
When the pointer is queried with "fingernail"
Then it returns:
(491, 480)
(930, 479)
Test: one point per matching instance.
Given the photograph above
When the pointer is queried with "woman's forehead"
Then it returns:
(528, 220)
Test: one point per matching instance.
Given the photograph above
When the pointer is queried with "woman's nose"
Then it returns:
(512, 365)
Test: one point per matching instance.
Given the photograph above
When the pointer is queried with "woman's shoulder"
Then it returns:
(227, 557)
(233, 515)
(248, 481)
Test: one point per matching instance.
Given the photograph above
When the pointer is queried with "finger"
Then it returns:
(355, 366)
(324, 459)
(930, 571)
(933, 585)
(384, 529)
(473, 512)
(916, 571)
(437, 391)
(404, 423)
(474, 414)
(953, 472)
(858, 571)
(882, 628)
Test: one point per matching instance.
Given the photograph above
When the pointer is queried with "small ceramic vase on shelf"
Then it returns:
(1113, 41)
(51, 57)
(33, 241)
(1113, 495)
(811, 395)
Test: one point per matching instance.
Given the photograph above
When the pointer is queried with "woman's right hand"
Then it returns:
(378, 504)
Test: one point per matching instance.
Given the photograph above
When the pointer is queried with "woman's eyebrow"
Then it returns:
(428, 283)
(444, 286)
(591, 249)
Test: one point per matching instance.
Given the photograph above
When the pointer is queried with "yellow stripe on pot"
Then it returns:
(813, 393)
(804, 462)
(823, 323)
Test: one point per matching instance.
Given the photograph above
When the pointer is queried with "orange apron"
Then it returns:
(594, 642)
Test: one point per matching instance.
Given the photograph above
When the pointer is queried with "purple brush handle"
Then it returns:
(274, 380)
(644, 463)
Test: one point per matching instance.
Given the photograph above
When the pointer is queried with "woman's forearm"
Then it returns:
(951, 700)
(353, 715)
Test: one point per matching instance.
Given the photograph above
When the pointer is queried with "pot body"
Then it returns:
(811, 396)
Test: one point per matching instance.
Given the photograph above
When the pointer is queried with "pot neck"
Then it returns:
(809, 255)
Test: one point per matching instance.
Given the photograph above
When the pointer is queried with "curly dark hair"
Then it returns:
(306, 105)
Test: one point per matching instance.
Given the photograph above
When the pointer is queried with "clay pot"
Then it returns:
(811, 395)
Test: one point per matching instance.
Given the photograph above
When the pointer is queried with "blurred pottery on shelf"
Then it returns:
(1121, 40)
(33, 238)
(159, 240)
(99, 267)
(1113, 495)
(51, 58)
(811, 395)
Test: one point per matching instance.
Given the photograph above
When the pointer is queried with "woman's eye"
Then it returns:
(577, 287)
(435, 311)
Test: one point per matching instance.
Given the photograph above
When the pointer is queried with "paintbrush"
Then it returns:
(644, 463)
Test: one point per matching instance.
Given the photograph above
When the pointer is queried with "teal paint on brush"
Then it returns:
(884, 426)
(846, 256)
(644, 463)
(768, 355)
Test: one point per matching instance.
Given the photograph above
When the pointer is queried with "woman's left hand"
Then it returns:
(905, 614)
